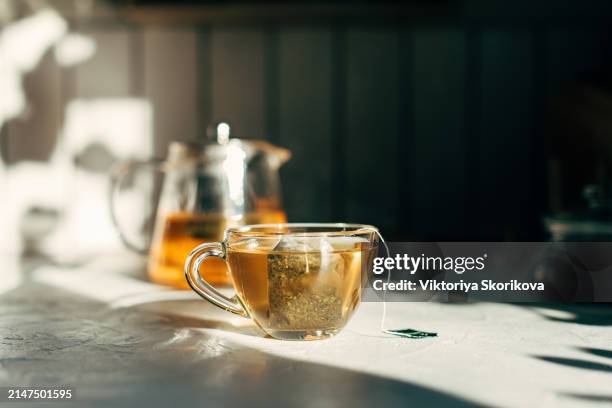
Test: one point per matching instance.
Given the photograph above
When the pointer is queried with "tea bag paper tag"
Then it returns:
(410, 333)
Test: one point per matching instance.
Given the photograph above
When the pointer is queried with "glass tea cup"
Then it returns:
(295, 281)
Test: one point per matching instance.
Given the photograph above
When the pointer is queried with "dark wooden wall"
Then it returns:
(428, 130)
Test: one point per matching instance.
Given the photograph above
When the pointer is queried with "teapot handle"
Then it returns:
(118, 174)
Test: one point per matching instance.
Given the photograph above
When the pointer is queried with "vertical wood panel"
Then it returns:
(506, 138)
(204, 81)
(305, 122)
(405, 133)
(107, 73)
(372, 119)
(35, 135)
(338, 120)
(171, 84)
(438, 156)
(272, 83)
(31, 141)
(577, 70)
(238, 80)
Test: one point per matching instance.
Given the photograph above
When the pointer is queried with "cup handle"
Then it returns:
(205, 289)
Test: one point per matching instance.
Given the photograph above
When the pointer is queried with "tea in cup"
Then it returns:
(295, 281)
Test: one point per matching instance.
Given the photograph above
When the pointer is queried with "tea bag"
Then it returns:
(305, 276)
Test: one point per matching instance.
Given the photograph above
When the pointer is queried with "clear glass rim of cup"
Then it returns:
(301, 230)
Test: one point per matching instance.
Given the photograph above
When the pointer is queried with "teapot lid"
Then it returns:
(218, 144)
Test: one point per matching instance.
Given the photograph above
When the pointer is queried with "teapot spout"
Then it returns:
(277, 156)
(282, 155)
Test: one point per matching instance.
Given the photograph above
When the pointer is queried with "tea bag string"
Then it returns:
(406, 333)
(384, 313)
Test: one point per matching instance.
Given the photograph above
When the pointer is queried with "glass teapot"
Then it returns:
(205, 189)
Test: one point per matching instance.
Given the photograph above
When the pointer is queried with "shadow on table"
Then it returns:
(583, 364)
(128, 357)
(260, 379)
(252, 378)
(577, 363)
(590, 397)
(199, 314)
(597, 352)
(583, 314)
(596, 314)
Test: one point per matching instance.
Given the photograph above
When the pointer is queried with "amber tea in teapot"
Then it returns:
(206, 188)
(179, 233)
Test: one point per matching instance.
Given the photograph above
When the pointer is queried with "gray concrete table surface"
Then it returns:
(121, 341)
